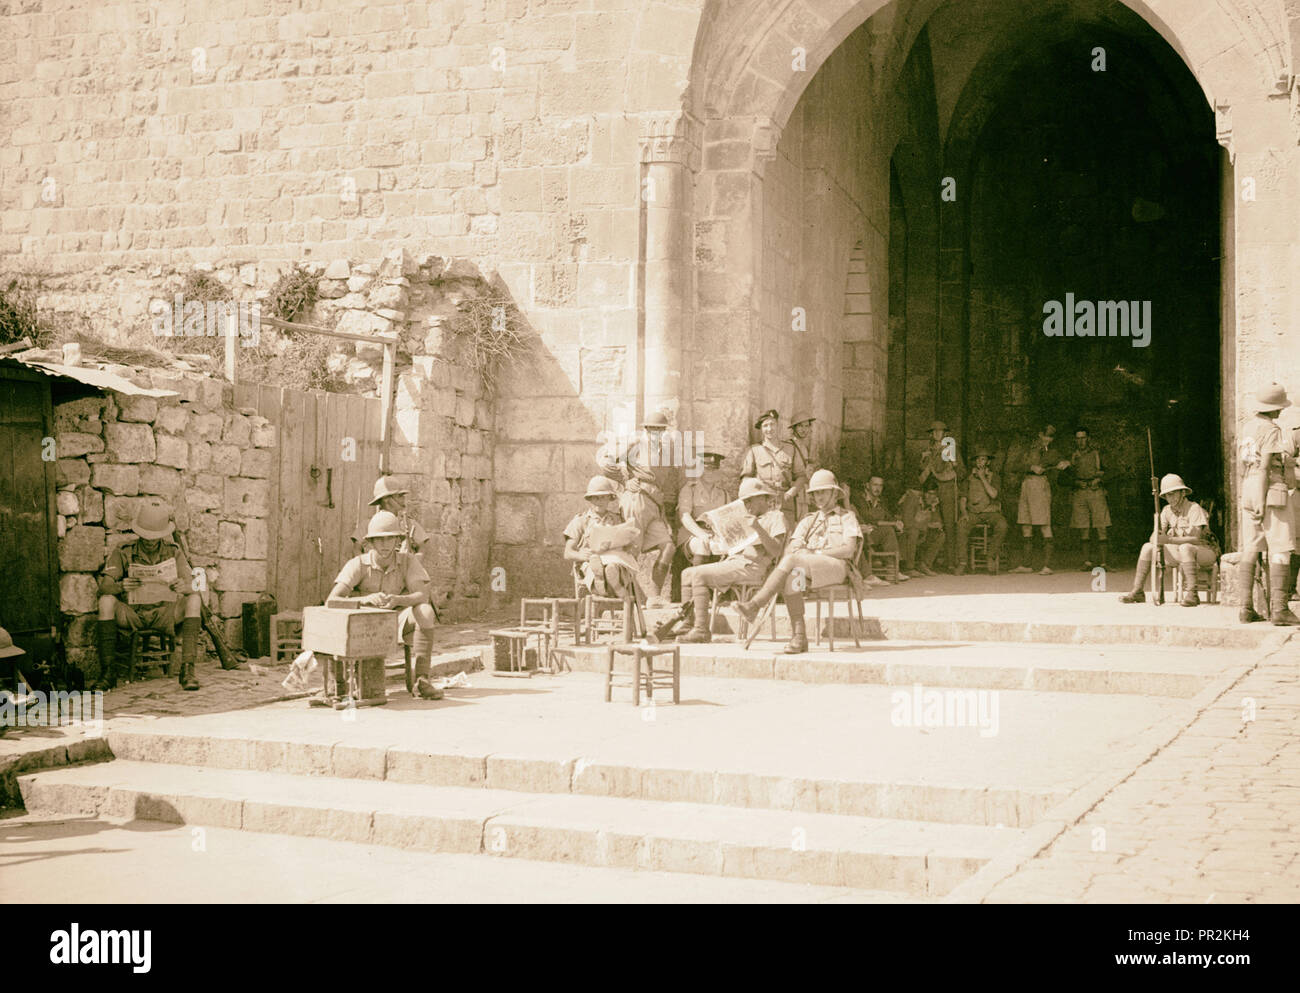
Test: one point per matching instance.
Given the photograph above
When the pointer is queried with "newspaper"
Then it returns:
(155, 582)
(603, 537)
(731, 526)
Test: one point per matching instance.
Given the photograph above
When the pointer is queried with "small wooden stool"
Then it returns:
(977, 549)
(152, 648)
(653, 677)
(510, 651)
(887, 559)
(286, 636)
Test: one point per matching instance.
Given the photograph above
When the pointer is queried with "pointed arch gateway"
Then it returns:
(804, 160)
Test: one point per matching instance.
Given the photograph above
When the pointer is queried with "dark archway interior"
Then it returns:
(1103, 185)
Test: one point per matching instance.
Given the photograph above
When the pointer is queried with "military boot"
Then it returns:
(699, 634)
(189, 652)
(1246, 581)
(1138, 594)
(798, 632)
(1190, 599)
(1280, 613)
(106, 642)
(422, 650)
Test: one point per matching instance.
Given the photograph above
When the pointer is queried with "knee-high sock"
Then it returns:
(1246, 579)
(700, 599)
(422, 649)
(190, 640)
(1047, 553)
(1140, 575)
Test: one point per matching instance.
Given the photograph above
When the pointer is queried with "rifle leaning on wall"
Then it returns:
(210, 623)
(1158, 551)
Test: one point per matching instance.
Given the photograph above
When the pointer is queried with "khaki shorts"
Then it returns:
(812, 571)
(1088, 509)
(1274, 534)
(150, 617)
(1035, 502)
(720, 575)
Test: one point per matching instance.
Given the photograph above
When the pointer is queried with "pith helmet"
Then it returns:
(656, 420)
(385, 486)
(822, 479)
(385, 524)
(767, 415)
(752, 487)
(1271, 397)
(803, 417)
(153, 520)
(1171, 483)
(601, 486)
(7, 647)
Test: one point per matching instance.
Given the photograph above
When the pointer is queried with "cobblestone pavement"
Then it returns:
(1212, 817)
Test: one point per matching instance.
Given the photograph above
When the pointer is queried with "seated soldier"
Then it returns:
(924, 536)
(695, 499)
(602, 567)
(746, 567)
(819, 554)
(177, 601)
(880, 525)
(385, 576)
(1185, 542)
(980, 505)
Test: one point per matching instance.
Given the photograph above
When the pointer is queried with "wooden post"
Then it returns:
(386, 405)
(232, 333)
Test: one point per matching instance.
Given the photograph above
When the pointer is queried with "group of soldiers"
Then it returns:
(384, 572)
(943, 502)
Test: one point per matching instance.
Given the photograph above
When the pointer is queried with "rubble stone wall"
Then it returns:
(210, 461)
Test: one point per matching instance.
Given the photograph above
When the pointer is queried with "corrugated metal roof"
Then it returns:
(98, 378)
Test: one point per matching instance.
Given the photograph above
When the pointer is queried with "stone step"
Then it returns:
(909, 857)
(1148, 671)
(925, 801)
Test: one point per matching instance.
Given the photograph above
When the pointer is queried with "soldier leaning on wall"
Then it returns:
(1269, 506)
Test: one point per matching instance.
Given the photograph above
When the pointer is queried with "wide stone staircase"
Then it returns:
(805, 775)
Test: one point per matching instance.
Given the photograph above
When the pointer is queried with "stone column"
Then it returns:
(670, 154)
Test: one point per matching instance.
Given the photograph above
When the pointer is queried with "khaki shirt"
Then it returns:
(1268, 465)
(773, 522)
(1087, 465)
(774, 467)
(363, 575)
(978, 500)
(697, 497)
(121, 557)
(825, 529)
(664, 459)
(579, 527)
(940, 468)
(1183, 525)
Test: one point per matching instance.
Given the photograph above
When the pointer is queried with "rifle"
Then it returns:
(1159, 564)
(210, 624)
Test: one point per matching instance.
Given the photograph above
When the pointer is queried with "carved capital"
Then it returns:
(1223, 129)
(674, 137)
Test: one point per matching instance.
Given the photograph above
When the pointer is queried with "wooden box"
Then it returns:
(360, 632)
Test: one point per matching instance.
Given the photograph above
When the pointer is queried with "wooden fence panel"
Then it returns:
(310, 540)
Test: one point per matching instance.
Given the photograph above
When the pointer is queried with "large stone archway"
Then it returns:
(779, 94)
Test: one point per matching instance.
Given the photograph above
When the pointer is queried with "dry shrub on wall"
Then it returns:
(19, 317)
(294, 359)
(494, 333)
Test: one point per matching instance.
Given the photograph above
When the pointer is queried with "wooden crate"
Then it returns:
(359, 632)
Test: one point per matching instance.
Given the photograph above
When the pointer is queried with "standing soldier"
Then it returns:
(941, 463)
(801, 440)
(1035, 509)
(1088, 508)
(1268, 505)
(980, 506)
(661, 453)
(696, 498)
(772, 463)
(643, 505)
(392, 498)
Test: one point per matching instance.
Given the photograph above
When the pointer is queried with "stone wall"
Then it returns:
(208, 460)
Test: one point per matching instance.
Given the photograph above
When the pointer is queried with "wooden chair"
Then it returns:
(643, 667)
(286, 636)
(883, 564)
(977, 550)
(625, 618)
(151, 648)
(849, 588)
(1207, 578)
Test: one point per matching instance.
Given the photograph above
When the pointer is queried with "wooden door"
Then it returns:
(29, 595)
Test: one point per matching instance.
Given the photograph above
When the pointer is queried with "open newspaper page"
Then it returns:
(731, 526)
(155, 582)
